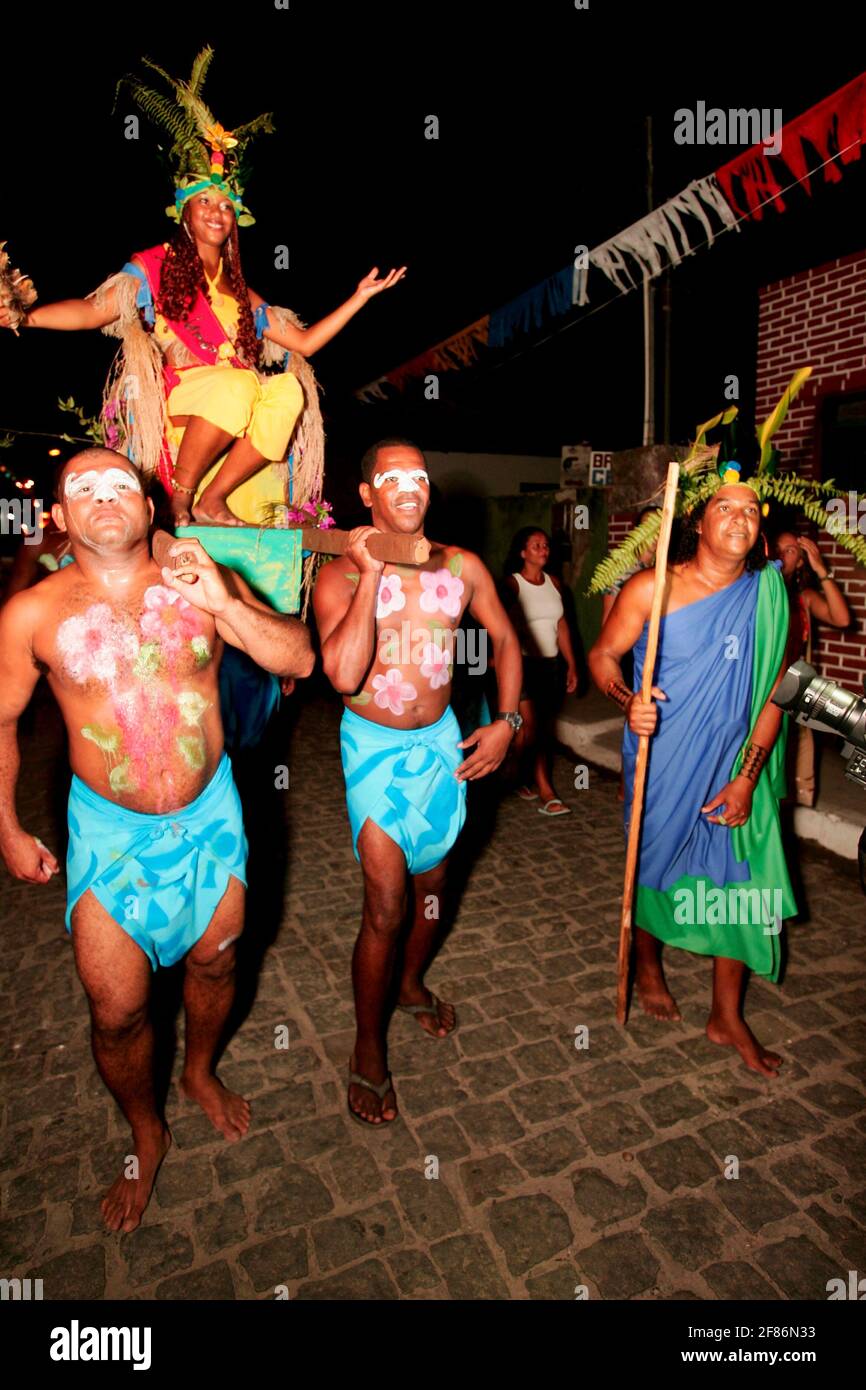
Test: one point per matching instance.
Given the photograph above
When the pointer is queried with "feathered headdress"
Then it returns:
(701, 476)
(202, 153)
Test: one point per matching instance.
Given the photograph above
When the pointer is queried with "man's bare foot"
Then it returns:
(655, 997)
(365, 1103)
(227, 1112)
(441, 1017)
(180, 512)
(123, 1205)
(736, 1033)
(212, 511)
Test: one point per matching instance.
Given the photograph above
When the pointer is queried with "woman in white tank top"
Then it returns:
(539, 616)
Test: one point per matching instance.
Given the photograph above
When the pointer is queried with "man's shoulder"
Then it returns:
(457, 559)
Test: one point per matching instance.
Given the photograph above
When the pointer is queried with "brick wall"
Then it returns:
(818, 319)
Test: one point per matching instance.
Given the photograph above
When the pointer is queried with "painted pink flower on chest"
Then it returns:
(441, 592)
(390, 597)
(168, 618)
(95, 645)
(435, 663)
(392, 691)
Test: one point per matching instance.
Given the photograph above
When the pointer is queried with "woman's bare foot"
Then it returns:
(655, 997)
(736, 1033)
(441, 1017)
(227, 1111)
(123, 1205)
(365, 1103)
(212, 511)
(180, 512)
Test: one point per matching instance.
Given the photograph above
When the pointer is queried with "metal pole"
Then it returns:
(649, 426)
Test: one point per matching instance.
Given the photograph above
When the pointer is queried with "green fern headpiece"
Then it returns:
(203, 153)
(701, 476)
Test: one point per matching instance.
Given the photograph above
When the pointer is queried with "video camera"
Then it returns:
(821, 704)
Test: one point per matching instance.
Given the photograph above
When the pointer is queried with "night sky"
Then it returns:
(542, 146)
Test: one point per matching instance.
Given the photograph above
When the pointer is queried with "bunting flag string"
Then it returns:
(737, 192)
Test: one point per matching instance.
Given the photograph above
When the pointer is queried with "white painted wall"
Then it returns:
(490, 475)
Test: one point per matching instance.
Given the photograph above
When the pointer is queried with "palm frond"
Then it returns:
(766, 431)
(262, 125)
(159, 109)
(200, 70)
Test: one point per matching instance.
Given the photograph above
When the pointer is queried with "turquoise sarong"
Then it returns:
(160, 877)
(403, 780)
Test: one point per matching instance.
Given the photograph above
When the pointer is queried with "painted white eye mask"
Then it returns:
(102, 487)
(406, 479)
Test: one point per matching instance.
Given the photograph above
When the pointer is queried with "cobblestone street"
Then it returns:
(558, 1166)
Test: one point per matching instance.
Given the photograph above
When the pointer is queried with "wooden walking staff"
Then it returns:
(394, 550)
(634, 825)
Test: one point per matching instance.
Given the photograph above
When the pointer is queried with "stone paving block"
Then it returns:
(558, 1284)
(611, 1128)
(603, 1079)
(690, 1229)
(726, 1137)
(220, 1224)
(211, 1283)
(670, 1104)
(740, 1281)
(275, 1262)
(435, 1090)
(781, 1122)
(798, 1266)
(443, 1137)
(844, 1234)
(468, 1268)
(753, 1200)
(293, 1196)
(606, 1201)
(356, 1173)
(537, 1101)
(532, 1025)
(313, 1138)
(413, 1272)
(490, 1037)
(78, 1275)
(343, 1239)
(621, 1266)
(541, 1059)
(679, 1163)
(490, 1123)
(151, 1252)
(549, 1153)
(487, 1075)
(835, 1098)
(185, 1181)
(811, 1051)
(427, 1204)
(362, 1283)
(802, 1175)
(493, 1176)
(529, 1230)
(19, 1237)
(251, 1155)
(55, 1181)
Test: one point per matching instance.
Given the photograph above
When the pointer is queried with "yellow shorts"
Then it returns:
(236, 401)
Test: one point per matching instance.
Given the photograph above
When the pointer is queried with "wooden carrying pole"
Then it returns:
(634, 825)
(392, 549)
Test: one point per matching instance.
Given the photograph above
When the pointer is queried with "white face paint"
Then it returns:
(406, 479)
(101, 487)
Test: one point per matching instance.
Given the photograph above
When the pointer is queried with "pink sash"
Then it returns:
(202, 332)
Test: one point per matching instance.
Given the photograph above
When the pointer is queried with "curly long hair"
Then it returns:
(183, 276)
(689, 537)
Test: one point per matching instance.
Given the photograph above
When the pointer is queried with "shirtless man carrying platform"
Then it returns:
(157, 851)
(387, 634)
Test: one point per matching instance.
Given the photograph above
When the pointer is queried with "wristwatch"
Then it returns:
(511, 717)
(827, 575)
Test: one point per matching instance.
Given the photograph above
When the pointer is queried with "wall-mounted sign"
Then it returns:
(600, 468)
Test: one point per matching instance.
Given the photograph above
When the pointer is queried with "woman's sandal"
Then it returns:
(527, 794)
(554, 801)
(355, 1079)
(431, 1008)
